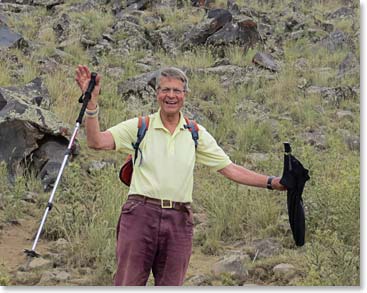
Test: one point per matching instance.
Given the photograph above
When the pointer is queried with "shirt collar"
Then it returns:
(157, 122)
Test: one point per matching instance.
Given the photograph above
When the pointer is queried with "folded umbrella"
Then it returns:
(294, 178)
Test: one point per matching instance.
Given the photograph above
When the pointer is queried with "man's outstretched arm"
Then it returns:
(244, 176)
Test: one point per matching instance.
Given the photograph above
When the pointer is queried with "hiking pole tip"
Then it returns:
(31, 253)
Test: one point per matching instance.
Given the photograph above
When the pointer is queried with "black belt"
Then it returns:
(163, 203)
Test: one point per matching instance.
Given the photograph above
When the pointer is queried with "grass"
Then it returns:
(29, 24)
(5, 79)
(93, 23)
(180, 19)
(197, 58)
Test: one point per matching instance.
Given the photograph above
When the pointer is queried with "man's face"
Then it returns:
(170, 95)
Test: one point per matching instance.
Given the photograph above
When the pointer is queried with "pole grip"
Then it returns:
(287, 148)
(87, 96)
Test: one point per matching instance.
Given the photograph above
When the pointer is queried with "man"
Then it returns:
(155, 228)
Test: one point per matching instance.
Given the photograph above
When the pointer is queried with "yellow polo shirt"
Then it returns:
(167, 166)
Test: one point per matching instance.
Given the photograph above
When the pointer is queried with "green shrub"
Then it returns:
(330, 262)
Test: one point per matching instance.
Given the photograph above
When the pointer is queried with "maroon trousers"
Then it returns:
(151, 238)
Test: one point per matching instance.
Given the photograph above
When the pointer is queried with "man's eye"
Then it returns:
(168, 90)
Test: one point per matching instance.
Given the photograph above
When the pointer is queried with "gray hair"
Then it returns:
(175, 73)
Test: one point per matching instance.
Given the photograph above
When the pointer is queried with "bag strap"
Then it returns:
(194, 129)
(143, 125)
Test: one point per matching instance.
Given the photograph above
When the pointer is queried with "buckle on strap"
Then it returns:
(166, 204)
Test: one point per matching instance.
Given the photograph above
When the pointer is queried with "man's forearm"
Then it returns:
(93, 132)
(244, 176)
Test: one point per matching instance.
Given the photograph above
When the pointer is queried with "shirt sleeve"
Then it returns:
(209, 153)
(124, 134)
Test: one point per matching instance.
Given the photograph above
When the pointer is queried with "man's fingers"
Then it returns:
(98, 78)
(85, 71)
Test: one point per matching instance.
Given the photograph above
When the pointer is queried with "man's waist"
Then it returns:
(163, 203)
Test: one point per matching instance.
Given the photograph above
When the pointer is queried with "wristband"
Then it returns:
(92, 113)
(268, 184)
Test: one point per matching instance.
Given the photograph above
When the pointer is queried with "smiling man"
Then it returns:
(155, 228)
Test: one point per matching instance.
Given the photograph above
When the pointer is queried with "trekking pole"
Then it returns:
(87, 96)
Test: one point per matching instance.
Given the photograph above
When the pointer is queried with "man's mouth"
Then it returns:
(170, 102)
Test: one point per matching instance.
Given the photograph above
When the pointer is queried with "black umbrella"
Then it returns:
(294, 178)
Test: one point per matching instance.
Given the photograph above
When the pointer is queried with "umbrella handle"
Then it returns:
(287, 153)
(287, 148)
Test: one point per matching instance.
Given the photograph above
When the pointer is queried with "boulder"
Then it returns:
(243, 32)
(233, 265)
(341, 12)
(336, 40)
(284, 271)
(216, 19)
(39, 263)
(266, 61)
(10, 39)
(29, 133)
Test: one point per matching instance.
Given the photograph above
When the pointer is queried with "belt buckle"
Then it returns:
(166, 204)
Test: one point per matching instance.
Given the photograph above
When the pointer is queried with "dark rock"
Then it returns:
(137, 4)
(350, 64)
(10, 39)
(265, 60)
(62, 27)
(25, 127)
(341, 13)
(243, 33)
(135, 36)
(47, 159)
(335, 95)
(294, 23)
(217, 19)
(35, 91)
(329, 27)
(47, 3)
(233, 7)
(221, 15)
(337, 40)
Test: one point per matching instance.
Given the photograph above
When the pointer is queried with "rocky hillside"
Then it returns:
(261, 73)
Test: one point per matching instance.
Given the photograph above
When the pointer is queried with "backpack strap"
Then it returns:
(194, 129)
(143, 125)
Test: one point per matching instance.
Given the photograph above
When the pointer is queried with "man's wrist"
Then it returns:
(92, 106)
(92, 113)
(269, 182)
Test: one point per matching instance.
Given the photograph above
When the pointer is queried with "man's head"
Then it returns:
(172, 86)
